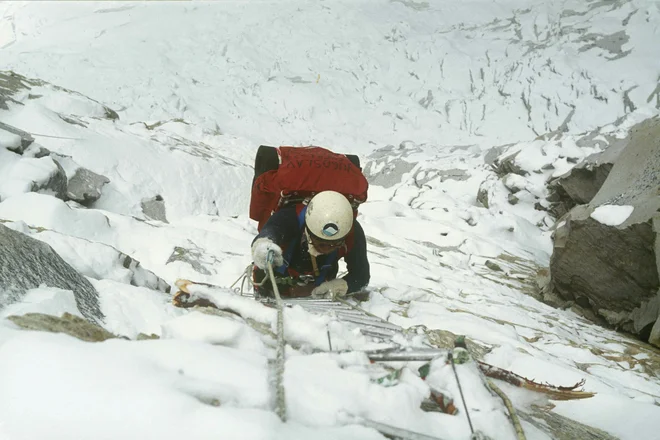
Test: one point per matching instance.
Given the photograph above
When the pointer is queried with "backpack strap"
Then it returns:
(294, 244)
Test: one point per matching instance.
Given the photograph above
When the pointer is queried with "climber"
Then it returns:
(307, 241)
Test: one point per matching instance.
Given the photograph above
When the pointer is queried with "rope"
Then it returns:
(280, 400)
(520, 434)
(460, 390)
(56, 137)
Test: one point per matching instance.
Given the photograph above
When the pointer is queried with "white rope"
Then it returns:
(280, 399)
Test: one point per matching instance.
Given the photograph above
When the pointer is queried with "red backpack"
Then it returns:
(288, 175)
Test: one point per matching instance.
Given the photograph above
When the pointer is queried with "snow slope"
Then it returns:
(421, 91)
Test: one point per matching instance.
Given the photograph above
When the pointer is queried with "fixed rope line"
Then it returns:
(280, 398)
(460, 390)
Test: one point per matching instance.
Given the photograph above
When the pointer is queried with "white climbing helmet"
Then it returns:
(329, 216)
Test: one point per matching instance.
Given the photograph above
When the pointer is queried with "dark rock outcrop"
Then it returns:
(107, 259)
(26, 263)
(26, 138)
(507, 165)
(85, 186)
(57, 184)
(610, 267)
(581, 184)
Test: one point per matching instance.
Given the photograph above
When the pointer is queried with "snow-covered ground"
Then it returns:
(422, 91)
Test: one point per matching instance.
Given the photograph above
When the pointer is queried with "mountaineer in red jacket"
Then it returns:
(307, 243)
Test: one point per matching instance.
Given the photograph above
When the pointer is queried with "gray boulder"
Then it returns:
(582, 182)
(56, 184)
(25, 138)
(610, 267)
(26, 263)
(85, 186)
(108, 262)
(154, 208)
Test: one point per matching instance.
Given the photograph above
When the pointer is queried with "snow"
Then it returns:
(612, 215)
(9, 140)
(427, 94)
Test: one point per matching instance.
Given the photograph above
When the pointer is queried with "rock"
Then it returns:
(23, 138)
(512, 199)
(109, 263)
(539, 206)
(507, 164)
(493, 266)
(482, 194)
(57, 184)
(514, 182)
(26, 263)
(85, 186)
(155, 209)
(142, 277)
(10, 84)
(194, 257)
(37, 151)
(646, 315)
(446, 339)
(581, 183)
(559, 427)
(24, 173)
(615, 266)
(452, 174)
(69, 324)
(654, 335)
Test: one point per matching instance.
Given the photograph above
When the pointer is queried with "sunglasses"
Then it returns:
(319, 243)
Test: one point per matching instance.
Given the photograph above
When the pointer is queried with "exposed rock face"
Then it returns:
(580, 185)
(70, 324)
(155, 209)
(26, 263)
(56, 184)
(109, 263)
(62, 177)
(560, 427)
(85, 186)
(26, 138)
(607, 265)
(142, 277)
(507, 165)
(387, 165)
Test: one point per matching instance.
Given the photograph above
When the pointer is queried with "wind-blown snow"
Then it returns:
(422, 91)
